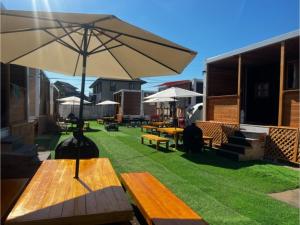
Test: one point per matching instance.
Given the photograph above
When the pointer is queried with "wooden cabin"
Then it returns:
(258, 86)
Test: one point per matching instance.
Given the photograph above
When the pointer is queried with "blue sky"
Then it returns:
(210, 27)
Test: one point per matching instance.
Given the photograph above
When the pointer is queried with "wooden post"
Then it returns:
(239, 88)
(281, 84)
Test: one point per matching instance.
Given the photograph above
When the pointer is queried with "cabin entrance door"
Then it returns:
(261, 95)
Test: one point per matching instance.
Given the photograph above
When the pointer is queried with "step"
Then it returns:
(242, 140)
(228, 154)
(26, 150)
(12, 142)
(240, 149)
(250, 134)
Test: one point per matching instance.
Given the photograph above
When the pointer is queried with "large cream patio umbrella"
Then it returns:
(80, 44)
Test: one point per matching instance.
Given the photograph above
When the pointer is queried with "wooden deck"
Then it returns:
(54, 197)
(157, 203)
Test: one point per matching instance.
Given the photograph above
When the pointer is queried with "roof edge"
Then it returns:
(270, 41)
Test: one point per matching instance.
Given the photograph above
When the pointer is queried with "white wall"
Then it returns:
(89, 111)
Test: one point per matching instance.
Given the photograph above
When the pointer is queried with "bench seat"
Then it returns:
(155, 138)
(157, 203)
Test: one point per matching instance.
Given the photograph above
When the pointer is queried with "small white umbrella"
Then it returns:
(108, 102)
(70, 103)
(174, 92)
(159, 100)
(72, 99)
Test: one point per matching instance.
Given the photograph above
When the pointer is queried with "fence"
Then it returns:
(89, 111)
(283, 143)
(220, 131)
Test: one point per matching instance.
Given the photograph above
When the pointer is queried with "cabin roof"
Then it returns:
(257, 45)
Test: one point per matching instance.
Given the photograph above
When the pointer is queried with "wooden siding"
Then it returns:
(222, 82)
(222, 108)
(25, 131)
(132, 103)
(291, 105)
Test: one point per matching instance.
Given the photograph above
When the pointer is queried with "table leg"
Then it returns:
(157, 145)
(150, 142)
(176, 140)
(167, 145)
(142, 140)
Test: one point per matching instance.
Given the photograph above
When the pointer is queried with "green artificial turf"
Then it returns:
(220, 190)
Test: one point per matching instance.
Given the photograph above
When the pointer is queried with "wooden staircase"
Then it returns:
(244, 145)
(18, 159)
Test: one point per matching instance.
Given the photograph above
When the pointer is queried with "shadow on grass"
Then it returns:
(160, 148)
(209, 157)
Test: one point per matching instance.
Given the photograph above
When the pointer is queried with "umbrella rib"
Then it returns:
(113, 56)
(92, 51)
(34, 29)
(151, 41)
(68, 34)
(144, 54)
(107, 48)
(43, 45)
(62, 42)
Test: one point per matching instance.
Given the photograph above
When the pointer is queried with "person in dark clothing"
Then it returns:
(192, 138)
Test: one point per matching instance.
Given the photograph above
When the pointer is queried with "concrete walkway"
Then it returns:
(291, 197)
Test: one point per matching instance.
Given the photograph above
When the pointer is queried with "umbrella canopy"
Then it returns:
(159, 100)
(70, 103)
(108, 102)
(75, 44)
(174, 92)
(55, 42)
(72, 99)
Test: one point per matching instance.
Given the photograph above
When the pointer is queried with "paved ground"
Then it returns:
(291, 197)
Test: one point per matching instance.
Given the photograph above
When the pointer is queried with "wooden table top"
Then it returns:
(53, 196)
(170, 130)
(157, 123)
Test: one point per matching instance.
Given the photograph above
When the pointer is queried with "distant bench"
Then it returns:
(11, 189)
(157, 203)
(155, 138)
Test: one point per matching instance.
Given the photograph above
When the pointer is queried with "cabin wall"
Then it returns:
(291, 116)
(222, 108)
(132, 103)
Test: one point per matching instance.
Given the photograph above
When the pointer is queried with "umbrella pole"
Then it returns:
(80, 122)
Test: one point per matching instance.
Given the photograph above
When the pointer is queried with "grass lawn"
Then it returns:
(220, 190)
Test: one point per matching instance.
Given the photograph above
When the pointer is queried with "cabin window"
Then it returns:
(262, 90)
(113, 85)
(292, 76)
(131, 86)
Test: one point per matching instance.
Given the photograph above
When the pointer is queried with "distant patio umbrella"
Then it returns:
(80, 44)
(174, 93)
(107, 102)
(72, 99)
(151, 100)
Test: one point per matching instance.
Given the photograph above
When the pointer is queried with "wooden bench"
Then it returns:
(157, 203)
(11, 189)
(155, 138)
(100, 121)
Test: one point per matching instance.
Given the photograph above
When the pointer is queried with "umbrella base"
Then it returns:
(68, 149)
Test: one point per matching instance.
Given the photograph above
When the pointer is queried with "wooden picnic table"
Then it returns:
(157, 124)
(171, 131)
(148, 127)
(53, 196)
